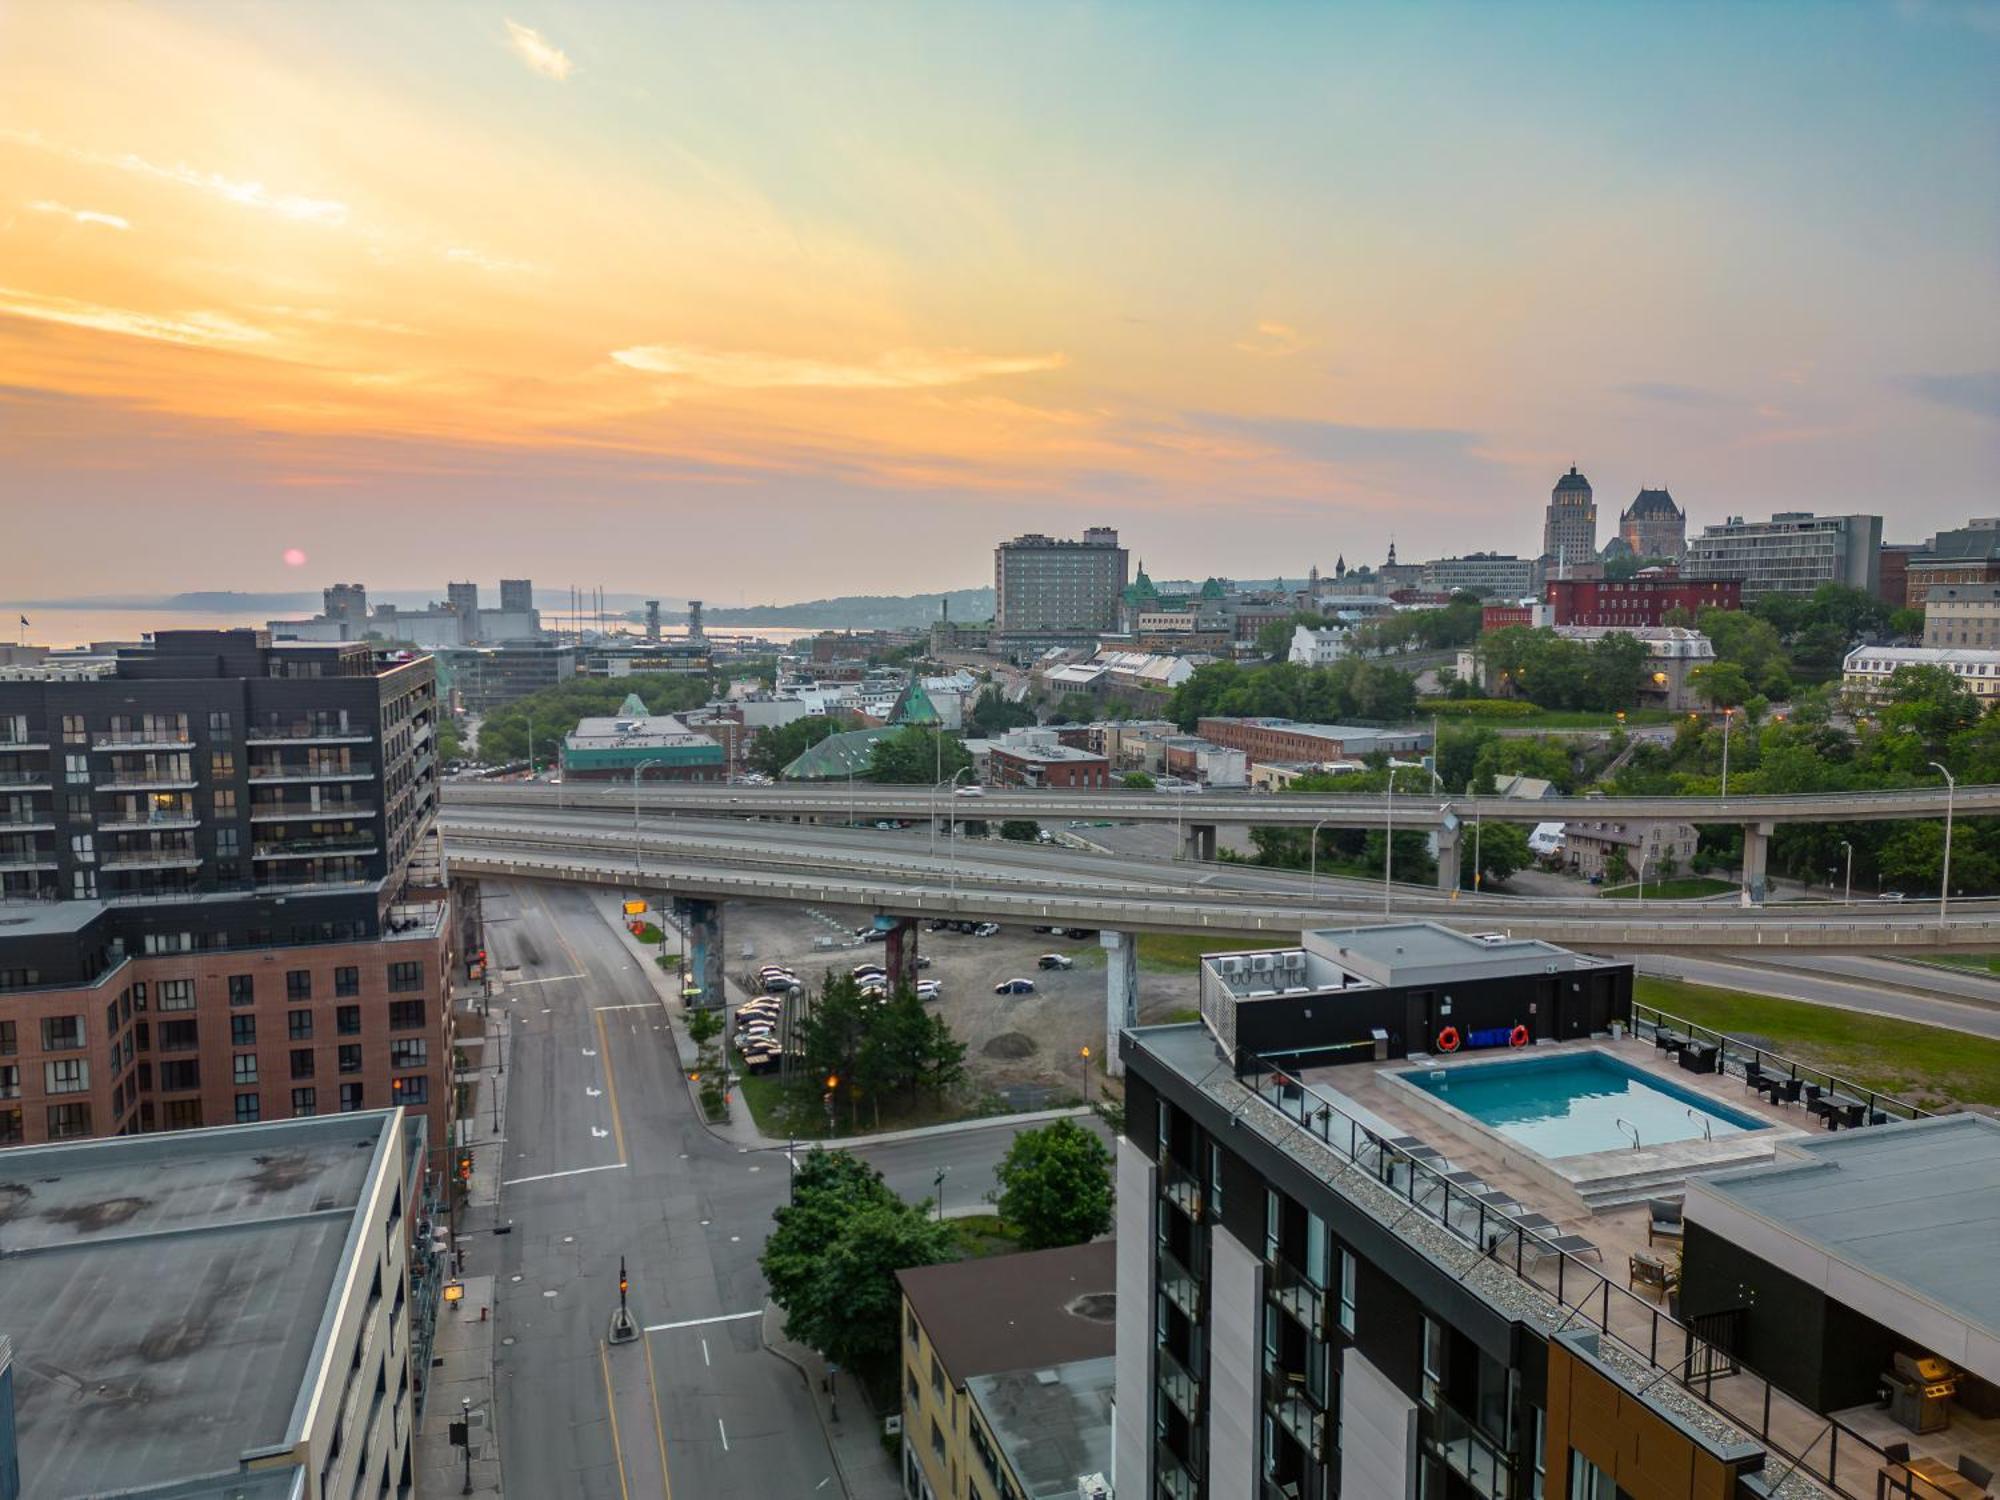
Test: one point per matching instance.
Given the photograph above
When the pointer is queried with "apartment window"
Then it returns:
(302, 1062)
(299, 1025)
(242, 989)
(415, 1089)
(222, 765)
(68, 1121)
(83, 885)
(409, 1052)
(1215, 1181)
(76, 770)
(937, 1439)
(177, 1076)
(111, 1020)
(179, 1036)
(405, 977)
(11, 1128)
(910, 1326)
(347, 1020)
(346, 981)
(249, 1108)
(220, 725)
(1587, 1481)
(73, 731)
(305, 1103)
(406, 1015)
(1273, 1219)
(62, 1033)
(243, 1031)
(350, 1059)
(66, 1075)
(350, 1097)
(176, 994)
(937, 1377)
(8, 1043)
(1433, 1360)
(181, 1114)
(10, 1080)
(299, 984)
(244, 1067)
(225, 802)
(911, 1388)
(1540, 1453)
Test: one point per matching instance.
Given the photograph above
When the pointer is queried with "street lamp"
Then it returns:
(937, 1186)
(951, 826)
(1085, 1055)
(1728, 718)
(1848, 899)
(1478, 817)
(635, 817)
(1312, 863)
(1944, 886)
(1388, 837)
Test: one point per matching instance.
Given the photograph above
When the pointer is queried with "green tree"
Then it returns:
(1139, 781)
(915, 756)
(1503, 849)
(1074, 708)
(992, 714)
(1721, 684)
(1021, 830)
(1055, 1185)
(828, 1187)
(554, 712)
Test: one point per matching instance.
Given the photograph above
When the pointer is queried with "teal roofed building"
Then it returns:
(654, 747)
(838, 756)
(914, 706)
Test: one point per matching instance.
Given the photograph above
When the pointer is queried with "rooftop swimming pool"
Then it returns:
(1572, 1105)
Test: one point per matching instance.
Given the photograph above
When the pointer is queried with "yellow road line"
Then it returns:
(658, 1431)
(610, 1085)
(611, 1407)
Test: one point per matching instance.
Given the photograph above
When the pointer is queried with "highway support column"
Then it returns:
(902, 952)
(1198, 842)
(1447, 852)
(1756, 851)
(702, 921)
(1121, 992)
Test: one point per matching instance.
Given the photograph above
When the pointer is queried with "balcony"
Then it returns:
(161, 822)
(307, 733)
(39, 860)
(1174, 1476)
(304, 773)
(142, 739)
(1181, 1188)
(33, 823)
(1293, 1291)
(1293, 1409)
(10, 747)
(1180, 1285)
(1469, 1453)
(309, 848)
(1178, 1385)
(25, 781)
(159, 780)
(150, 859)
(305, 812)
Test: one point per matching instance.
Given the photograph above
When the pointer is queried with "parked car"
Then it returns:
(930, 989)
(923, 960)
(1014, 987)
(862, 971)
(987, 929)
(1055, 961)
(778, 984)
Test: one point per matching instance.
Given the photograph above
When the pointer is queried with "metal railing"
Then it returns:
(340, 843)
(1178, 1384)
(1180, 1285)
(1174, 1475)
(312, 771)
(1298, 1295)
(1643, 1331)
(1737, 1057)
(1470, 1453)
(1182, 1188)
(266, 811)
(1292, 1407)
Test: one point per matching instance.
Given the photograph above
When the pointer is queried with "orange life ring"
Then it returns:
(1448, 1039)
(1518, 1037)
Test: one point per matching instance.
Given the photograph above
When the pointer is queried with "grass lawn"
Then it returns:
(1548, 718)
(1180, 952)
(1979, 963)
(981, 1235)
(766, 1100)
(1923, 1063)
(1680, 888)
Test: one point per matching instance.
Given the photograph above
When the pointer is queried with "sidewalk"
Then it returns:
(463, 1371)
(853, 1432)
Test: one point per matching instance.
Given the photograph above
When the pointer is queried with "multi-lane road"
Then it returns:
(604, 1156)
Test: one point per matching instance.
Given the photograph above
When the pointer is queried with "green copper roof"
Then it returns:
(915, 707)
(836, 756)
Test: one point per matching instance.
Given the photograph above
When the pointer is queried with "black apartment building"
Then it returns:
(189, 835)
(1309, 1305)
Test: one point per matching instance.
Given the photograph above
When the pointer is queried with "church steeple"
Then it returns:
(1392, 552)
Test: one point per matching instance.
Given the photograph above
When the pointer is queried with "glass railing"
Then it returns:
(300, 729)
(1470, 1453)
(1178, 1384)
(127, 858)
(141, 739)
(1294, 1291)
(1286, 1399)
(1174, 1476)
(342, 843)
(1182, 1189)
(315, 771)
(1180, 1285)
(159, 778)
(263, 812)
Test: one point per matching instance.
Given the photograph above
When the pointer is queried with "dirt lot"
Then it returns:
(1024, 1046)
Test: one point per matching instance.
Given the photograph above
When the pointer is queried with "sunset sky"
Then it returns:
(770, 301)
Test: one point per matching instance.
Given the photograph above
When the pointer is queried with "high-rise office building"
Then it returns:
(1054, 586)
(517, 595)
(1569, 530)
(225, 899)
(1792, 553)
(1653, 526)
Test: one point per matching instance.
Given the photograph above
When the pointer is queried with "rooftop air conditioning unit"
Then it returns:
(892, 1426)
(1263, 963)
(1295, 961)
(1230, 965)
(1093, 1487)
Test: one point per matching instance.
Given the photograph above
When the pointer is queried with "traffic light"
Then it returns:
(465, 1166)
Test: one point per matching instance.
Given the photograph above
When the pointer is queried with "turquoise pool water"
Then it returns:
(1571, 1106)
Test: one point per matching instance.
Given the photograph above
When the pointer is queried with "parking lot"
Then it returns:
(1026, 1046)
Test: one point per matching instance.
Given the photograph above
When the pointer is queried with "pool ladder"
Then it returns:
(1628, 1125)
(1707, 1128)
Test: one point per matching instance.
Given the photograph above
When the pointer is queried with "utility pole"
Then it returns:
(1848, 900)
(1944, 886)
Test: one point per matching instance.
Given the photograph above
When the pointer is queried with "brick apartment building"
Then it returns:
(221, 898)
(1288, 741)
(1049, 765)
(1642, 600)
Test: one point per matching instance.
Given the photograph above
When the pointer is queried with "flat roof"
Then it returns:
(1053, 1424)
(1429, 952)
(631, 732)
(166, 1293)
(1016, 1312)
(1913, 1207)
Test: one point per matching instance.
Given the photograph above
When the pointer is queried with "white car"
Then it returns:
(930, 989)
(970, 791)
(987, 929)
(1056, 961)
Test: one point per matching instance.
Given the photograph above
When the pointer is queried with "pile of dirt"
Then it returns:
(1011, 1045)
